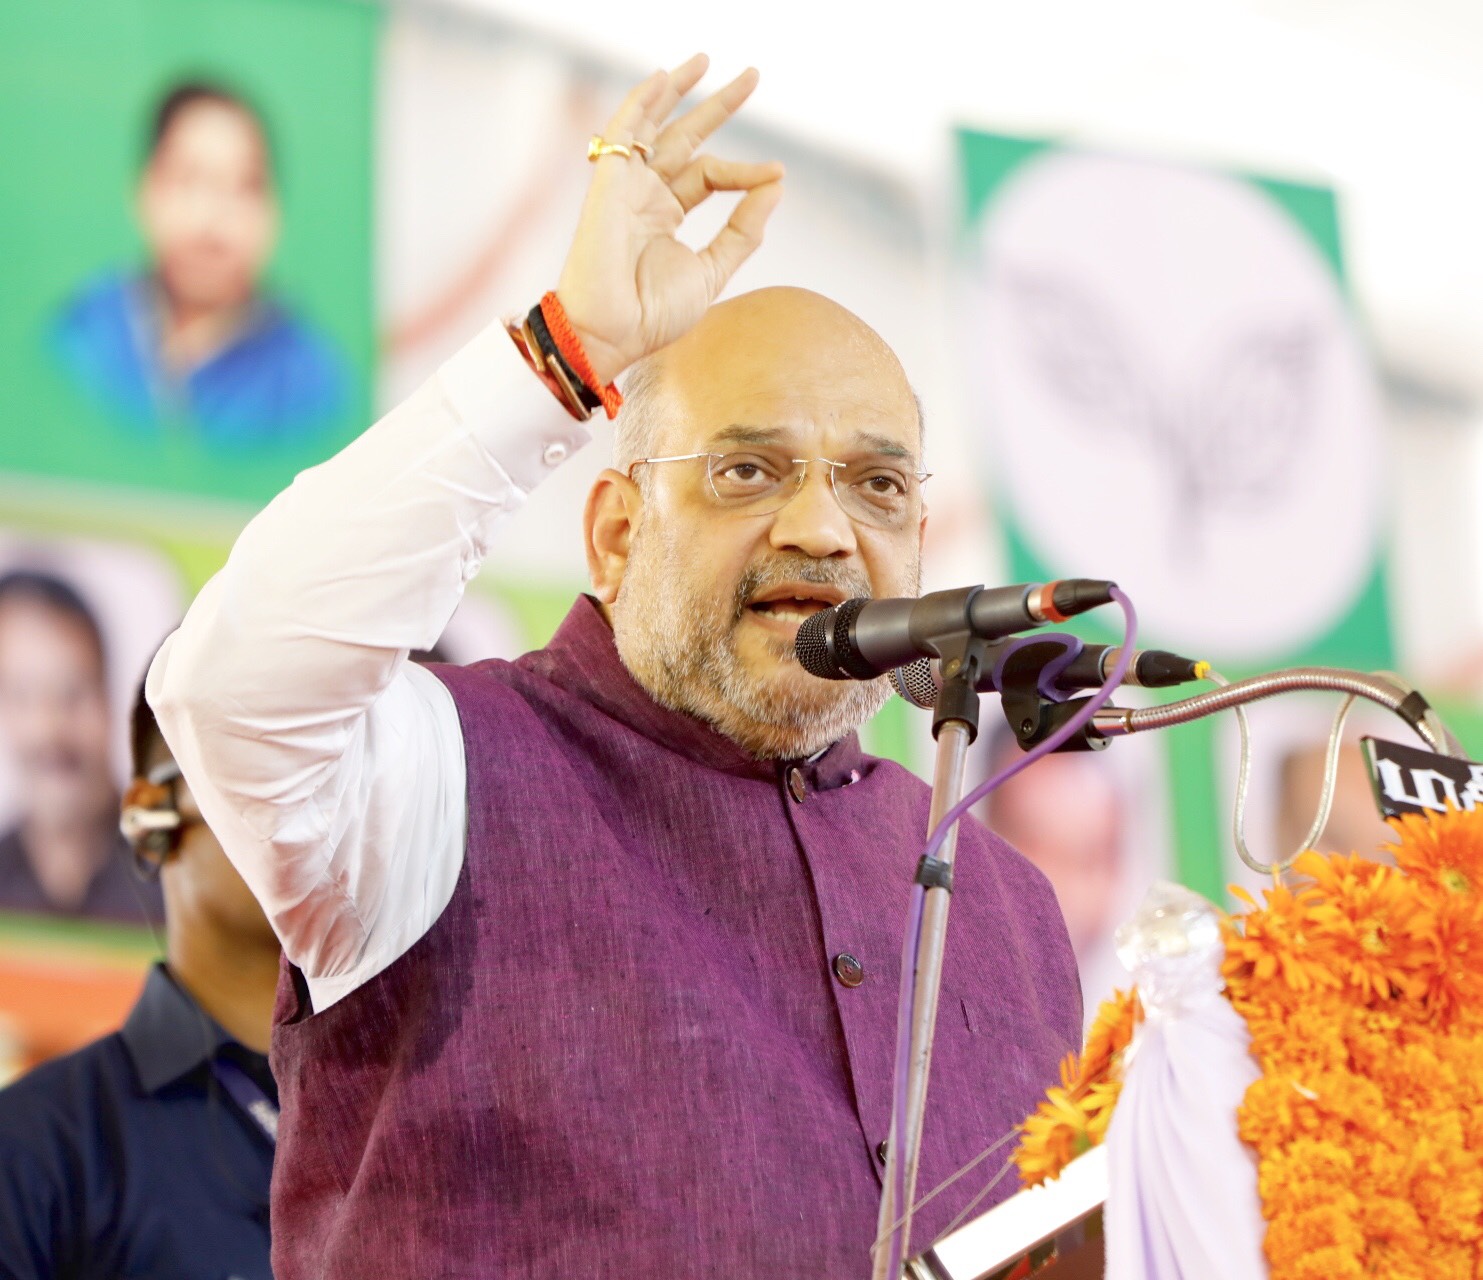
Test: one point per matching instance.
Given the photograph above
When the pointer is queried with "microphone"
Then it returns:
(863, 639)
(919, 682)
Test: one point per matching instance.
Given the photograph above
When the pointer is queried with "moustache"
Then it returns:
(796, 567)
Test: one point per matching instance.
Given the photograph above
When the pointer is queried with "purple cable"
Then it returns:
(905, 1002)
(911, 947)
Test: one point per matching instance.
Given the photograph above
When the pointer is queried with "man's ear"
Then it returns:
(614, 506)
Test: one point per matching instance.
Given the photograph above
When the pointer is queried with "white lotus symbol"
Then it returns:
(1225, 440)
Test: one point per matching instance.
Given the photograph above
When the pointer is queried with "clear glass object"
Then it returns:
(1173, 949)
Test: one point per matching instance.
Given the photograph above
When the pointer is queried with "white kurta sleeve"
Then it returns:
(331, 768)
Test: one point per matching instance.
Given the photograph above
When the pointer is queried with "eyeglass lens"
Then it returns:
(879, 491)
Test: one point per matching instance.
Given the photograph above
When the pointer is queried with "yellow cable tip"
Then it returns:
(1202, 669)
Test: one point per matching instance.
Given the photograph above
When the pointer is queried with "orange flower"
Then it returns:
(1277, 1110)
(1280, 940)
(1395, 1236)
(1444, 849)
(1316, 1039)
(1110, 1033)
(1052, 1138)
(1367, 912)
(1452, 979)
(1074, 1117)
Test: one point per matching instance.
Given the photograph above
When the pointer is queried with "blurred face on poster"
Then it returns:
(1354, 824)
(1064, 813)
(207, 207)
(193, 339)
(54, 718)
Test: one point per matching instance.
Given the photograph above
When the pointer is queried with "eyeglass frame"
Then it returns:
(921, 477)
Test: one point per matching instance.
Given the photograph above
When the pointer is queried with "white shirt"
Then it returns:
(331, 768)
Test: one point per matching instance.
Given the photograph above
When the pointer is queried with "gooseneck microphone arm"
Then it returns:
(1407, 703)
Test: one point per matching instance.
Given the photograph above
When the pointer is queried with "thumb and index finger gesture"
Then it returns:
(629, 286)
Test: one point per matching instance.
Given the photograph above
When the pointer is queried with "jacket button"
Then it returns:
(797, 788)
(849, 971)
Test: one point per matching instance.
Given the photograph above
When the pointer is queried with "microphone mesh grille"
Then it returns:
(812, 646)
(914, 682)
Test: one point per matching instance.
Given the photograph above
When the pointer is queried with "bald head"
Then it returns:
(773, 351)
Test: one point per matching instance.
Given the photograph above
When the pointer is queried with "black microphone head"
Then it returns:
(916, 683)
(811, 648)
(823, 641)
(1071, 596)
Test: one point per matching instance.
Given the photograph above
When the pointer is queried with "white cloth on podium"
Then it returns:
(1183, 1201)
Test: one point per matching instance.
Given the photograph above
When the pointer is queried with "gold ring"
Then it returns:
(645, 151)
(598, 147)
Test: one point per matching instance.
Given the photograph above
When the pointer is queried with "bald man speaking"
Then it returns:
(592, 956)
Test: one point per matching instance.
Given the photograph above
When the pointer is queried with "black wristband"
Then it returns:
(552, 353)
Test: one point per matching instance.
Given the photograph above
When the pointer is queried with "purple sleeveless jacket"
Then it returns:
(651, 1034)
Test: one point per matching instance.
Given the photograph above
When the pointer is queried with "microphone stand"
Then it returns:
(954, 726)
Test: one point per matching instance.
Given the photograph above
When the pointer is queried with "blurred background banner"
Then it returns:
(192, 312)
(1170, 379)
(187, 208)
(1170, 391)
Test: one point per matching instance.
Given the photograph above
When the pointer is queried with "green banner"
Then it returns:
(1137, 370)
(191, 312)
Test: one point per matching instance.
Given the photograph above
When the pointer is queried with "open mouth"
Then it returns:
(794, 601)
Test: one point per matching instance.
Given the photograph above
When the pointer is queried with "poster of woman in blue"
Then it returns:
(195, 336)
(191, 306)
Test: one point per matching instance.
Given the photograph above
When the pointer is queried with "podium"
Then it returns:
(1055, 1227)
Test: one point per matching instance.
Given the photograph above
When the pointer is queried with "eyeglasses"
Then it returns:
(879, 491)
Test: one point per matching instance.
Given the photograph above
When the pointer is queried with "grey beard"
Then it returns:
(682, 651)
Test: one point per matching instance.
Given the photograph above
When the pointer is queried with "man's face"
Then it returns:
(712, 596)
(54, 712)
(207, 207)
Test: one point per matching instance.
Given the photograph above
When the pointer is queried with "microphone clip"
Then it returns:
(1037, 718)
(1032, 703)
(963, 659)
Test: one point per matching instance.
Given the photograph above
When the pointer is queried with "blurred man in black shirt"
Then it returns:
(149, 1152)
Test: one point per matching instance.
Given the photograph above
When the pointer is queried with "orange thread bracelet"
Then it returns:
(566, 342)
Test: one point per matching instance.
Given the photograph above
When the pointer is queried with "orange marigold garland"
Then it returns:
(1074, 1117)
(1363, 991)
(1362, 986)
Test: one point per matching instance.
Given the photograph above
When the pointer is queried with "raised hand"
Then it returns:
(629, 286)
